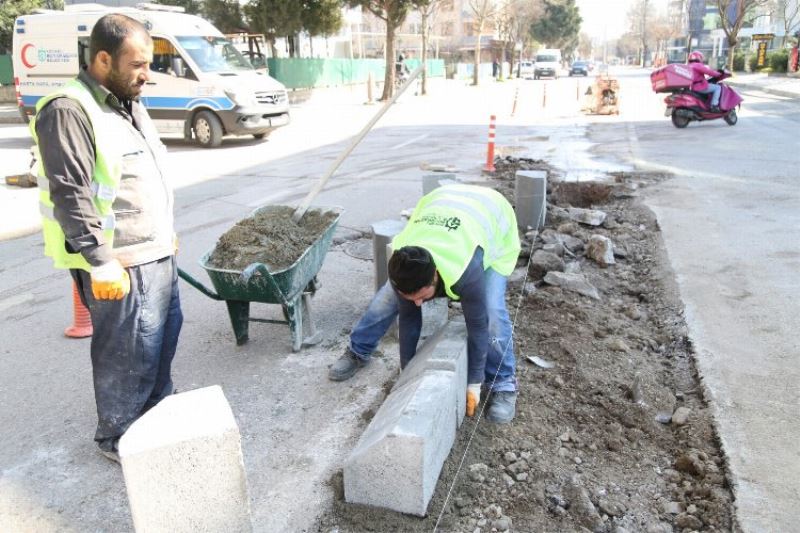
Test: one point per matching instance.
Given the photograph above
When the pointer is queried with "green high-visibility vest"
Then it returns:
(105, 180)
(453, 220)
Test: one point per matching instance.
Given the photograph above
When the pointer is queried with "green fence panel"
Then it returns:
(6, 70)
(309, 73)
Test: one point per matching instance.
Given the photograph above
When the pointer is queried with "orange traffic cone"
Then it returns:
(81, 322)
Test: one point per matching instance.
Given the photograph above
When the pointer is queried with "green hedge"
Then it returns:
(778, 60)
(738, 61)
(309, 73)
(6, 70)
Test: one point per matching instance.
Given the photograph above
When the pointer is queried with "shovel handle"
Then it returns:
(303, 207)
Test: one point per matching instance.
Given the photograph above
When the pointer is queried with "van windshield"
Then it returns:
(214, 54)
(546, 59)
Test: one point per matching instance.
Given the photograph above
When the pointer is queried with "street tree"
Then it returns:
(640, 18)
(559, 24)
(427, 10)
(393, 13)
(733, 16)
(274, 18)
(224, 14)
(483, 14)
(514, 19)
(11, 9)
(321, 17)
(789, 13)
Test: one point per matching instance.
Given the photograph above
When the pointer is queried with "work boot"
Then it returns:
(346, 366)
(109, 450)
(502, 407)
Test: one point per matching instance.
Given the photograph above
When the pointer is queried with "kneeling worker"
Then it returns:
(461, 242)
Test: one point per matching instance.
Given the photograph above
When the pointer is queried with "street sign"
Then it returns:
(762, 53)
(763, 36)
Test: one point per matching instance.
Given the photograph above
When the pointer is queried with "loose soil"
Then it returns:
(270, 237)
(593, 446)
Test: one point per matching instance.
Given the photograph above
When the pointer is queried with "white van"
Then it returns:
(548, 63)
(200, 85)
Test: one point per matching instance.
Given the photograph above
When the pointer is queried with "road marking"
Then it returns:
(15, 300)
(410, 141)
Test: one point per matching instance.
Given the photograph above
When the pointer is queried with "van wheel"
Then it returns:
(207, 129)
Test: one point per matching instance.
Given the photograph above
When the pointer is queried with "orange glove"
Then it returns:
(110, 281)
(473, 397)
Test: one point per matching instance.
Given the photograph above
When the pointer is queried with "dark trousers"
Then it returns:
(133, 345)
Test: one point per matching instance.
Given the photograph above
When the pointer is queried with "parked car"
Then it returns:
(579, 68)
(526, 69)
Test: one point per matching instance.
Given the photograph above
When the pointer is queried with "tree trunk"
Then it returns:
(273, 49)
(477, 64)
(425, 32)
(731, 53)
(388, 79)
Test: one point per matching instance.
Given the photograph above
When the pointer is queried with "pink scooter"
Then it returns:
(685, 105)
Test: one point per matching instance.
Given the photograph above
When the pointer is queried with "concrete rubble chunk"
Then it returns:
(543, 262)
(397, 461)
(572, 282)
(183, 466)
(601, 250)
(590, 217)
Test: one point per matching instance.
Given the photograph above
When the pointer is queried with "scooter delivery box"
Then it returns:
(671, 78)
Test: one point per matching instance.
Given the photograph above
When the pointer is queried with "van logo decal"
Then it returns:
(31, 56)
(24, 56)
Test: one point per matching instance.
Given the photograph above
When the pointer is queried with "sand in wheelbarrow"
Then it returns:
(270, 237)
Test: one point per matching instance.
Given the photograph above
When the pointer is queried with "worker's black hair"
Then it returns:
(410, 269)
(110, 32)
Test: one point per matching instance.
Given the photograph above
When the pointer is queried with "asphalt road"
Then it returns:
(297, 427)
(727, 217)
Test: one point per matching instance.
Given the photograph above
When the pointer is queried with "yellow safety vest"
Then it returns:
(105, 180)
(453, 220)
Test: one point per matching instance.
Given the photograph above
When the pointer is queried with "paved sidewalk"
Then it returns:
(787, 86)
(9, 113)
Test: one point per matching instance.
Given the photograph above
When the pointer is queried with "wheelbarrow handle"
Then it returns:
(261, 269)
(197, 285)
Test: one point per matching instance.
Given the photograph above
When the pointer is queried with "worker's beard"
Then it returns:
(122, 86)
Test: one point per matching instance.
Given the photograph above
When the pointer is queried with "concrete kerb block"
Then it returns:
(446, 350)
(398, 459)
(530, 198)
(383, 232)
(183, 466)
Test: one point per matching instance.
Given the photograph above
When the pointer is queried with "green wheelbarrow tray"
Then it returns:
(291, 287)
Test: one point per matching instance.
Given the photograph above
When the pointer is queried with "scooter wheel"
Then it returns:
(731, 118)
(679, 121)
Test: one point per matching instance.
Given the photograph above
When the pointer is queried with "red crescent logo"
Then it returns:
(23, 54)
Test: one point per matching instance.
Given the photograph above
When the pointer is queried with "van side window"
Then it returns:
(167, 60)
(83, 51)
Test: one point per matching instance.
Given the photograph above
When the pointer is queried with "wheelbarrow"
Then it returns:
(291, 287)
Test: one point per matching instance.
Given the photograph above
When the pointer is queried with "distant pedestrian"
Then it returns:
(107, 216)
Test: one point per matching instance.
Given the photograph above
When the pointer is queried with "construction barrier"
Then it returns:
(490, 149)
(81, 320)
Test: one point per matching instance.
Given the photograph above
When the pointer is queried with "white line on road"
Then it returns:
(410, 141)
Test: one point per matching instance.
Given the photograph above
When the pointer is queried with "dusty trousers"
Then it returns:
(133, 344)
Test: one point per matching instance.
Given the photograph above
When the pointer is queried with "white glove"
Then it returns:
(473, 397)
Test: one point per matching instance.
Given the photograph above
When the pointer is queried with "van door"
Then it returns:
(172, 88)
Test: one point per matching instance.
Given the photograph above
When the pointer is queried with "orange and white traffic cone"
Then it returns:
(490, 150)
(81, 320)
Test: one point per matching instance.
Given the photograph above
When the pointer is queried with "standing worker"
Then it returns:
(461, 242)
(107, 217)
